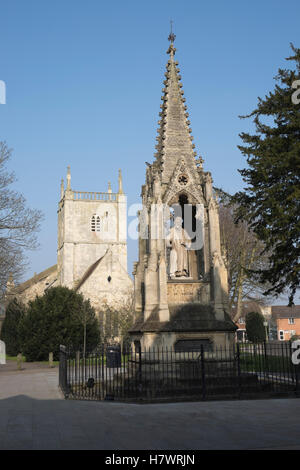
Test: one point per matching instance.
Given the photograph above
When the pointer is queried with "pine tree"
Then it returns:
(271, 201)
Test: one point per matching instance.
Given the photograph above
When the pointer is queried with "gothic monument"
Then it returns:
(180, 280)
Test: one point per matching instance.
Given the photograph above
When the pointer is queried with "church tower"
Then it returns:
(181, 293)
(92, 244)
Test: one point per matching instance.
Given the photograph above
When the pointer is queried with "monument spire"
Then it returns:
(180, 279)
(174, 138)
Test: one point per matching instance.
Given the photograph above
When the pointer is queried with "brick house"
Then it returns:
(283, 321)
(287, 321)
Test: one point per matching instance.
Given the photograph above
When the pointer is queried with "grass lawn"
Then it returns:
(262, 363)
(14, 358)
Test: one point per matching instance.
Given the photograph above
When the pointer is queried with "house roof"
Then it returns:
(282, 311)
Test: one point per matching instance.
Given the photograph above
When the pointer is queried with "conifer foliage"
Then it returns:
(60, 316)
(270, 203)
(255, 329)
(10, 331)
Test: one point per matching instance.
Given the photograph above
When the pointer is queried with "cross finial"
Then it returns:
(172, 36)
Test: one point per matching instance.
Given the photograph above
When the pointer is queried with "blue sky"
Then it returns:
(84, 81)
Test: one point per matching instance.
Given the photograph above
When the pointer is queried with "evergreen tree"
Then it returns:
(10, 331)
(60, 316)
(271, 201)
(255, 329)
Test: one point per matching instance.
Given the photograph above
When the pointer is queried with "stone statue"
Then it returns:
(179, 242)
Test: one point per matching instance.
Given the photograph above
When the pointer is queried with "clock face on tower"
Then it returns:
(183, 179)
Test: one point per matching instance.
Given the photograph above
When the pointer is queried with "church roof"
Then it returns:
(91, 269)
(89, 272)
(174, 138)
(33, 280)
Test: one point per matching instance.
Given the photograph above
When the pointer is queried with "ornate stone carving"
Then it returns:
(191, 187)
(179, 293)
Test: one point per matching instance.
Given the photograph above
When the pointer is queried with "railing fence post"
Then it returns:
(297, 374)
(140, 366)
(203, 373)
(238, 355)
(63, 380)
(266, 368)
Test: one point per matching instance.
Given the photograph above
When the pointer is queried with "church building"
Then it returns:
(91, 250)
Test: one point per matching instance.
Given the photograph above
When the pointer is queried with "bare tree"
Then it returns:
(116, 322)
(18, 225)
(243, 254)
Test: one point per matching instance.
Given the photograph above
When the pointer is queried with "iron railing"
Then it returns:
(242, 371)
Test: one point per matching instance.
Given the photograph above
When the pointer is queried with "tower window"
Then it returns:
(95, 223)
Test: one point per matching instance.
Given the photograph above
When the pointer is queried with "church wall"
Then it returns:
(81, 246)
(116, 293)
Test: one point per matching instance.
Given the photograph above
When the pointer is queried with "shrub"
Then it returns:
(60, 316)
(255, 329)
(10, 331)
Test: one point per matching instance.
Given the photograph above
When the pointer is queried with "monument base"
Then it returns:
(190, 325)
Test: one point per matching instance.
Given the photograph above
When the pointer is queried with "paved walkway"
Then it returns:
(33, 415)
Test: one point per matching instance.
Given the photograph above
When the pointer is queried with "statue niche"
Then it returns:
(184, 261)
(179, 242)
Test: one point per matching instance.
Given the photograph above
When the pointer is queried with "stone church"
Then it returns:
(91, 250)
